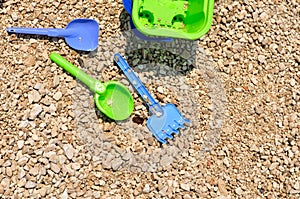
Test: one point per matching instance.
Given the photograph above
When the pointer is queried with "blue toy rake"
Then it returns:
(164, 120)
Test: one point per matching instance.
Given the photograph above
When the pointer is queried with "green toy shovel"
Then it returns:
(111, 98)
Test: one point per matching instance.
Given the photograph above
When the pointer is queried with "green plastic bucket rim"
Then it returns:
(168, 32)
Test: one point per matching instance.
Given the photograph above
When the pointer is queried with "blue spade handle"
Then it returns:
(51, 32)
(154, 106)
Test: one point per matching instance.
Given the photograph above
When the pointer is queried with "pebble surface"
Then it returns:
(249, 150)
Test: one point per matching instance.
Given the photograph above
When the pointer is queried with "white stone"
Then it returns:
(239, 191)
(261, 58)
(69, 151)
(297, 185)
(57, 96)
(102, 182)
(14, 16)
(64, 195)
(21, 173)
(23, 160)
(146, 188)
(36, 96)
(293, 82)
(185, 186)
(35, 111)
(254, 80)
(160, 89)
(30, 185)
(7, 163)
(55, 168)
(55, 81)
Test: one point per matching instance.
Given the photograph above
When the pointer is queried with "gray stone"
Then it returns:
(166, 161)
(116, 163)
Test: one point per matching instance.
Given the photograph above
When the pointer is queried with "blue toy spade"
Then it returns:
(80, 34)
(164, 120)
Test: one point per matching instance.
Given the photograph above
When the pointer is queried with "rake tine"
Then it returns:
(180, 125)
(174, 125)
(174, 130)
(169, 136)
(163, 125)
(187, 121)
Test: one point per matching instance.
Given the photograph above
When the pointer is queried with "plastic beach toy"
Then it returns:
(80, 34)
(111, 98)
(128, 7)
(189, 19)
(164, 120)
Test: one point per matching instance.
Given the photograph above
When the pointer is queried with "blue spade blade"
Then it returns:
(80, 34)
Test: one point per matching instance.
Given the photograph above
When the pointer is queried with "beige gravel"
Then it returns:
(255, 48)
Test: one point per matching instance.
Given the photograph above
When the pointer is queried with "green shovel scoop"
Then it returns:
(111, 98)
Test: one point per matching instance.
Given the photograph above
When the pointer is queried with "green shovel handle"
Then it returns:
(93, 84)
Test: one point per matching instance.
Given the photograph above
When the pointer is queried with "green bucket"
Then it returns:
(188, 19)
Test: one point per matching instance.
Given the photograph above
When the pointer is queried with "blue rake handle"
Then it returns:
(153, 105)
(51, 32)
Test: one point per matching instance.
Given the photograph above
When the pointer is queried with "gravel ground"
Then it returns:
(243, 98)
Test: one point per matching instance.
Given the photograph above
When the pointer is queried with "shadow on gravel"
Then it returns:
(179, 55)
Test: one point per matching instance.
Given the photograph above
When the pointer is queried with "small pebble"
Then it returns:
(36, 96)
(69, 151)
(34, 171)
(21, 173)
(146, 188)
(23, 160)
(261, 58)
(102, 182)
(14, 16)
(57, 96)
(35, 111)
(30, 185)
(254, 80)
(55, 168)
(55, 81)
(187, 196)
(166, 161)
(185, 186)
(116, 163)
(239, 191)
(160, 89)
(7, 163)
(20, 144)
(293, 82)
(64, 195)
